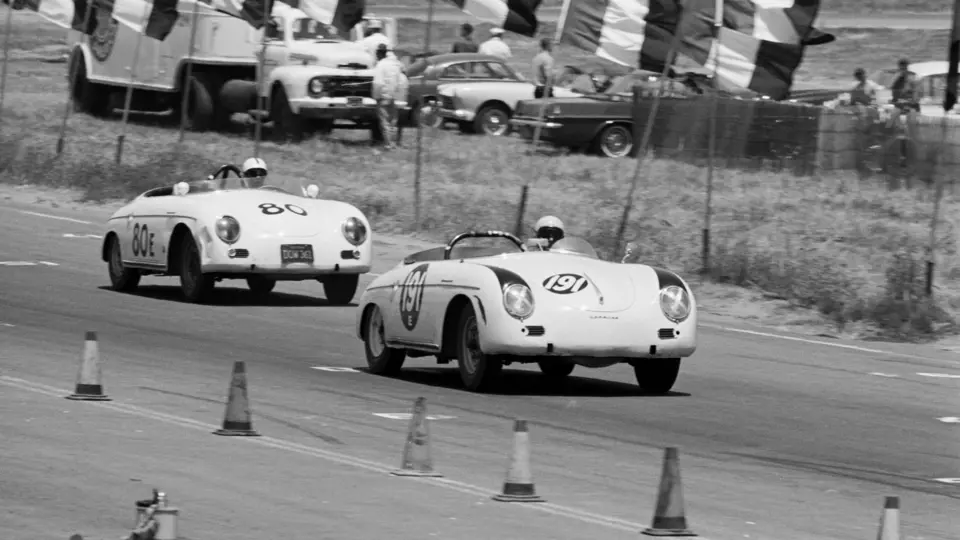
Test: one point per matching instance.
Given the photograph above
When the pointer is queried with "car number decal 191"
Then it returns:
(565, 283)
(411, 296)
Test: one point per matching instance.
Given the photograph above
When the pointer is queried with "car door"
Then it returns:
(146, 245)
(412, 310)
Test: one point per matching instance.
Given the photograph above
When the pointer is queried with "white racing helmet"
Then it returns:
(254, 167)
(550, 228)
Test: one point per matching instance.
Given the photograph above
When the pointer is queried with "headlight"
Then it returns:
(228, 229)
(354, 231)
(675, 303)
(518, 301)
(316, 85)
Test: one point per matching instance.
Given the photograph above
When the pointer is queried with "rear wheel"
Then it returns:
(615, 141)
(478, 371)
(121, 278)
(195, 285)
(261, 286)
(556, 369)
(381, 360)
(493, 120)
(340, 289)
(657, 376)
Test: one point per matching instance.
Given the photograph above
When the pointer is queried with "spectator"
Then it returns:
(905, 89)
(495, 45)
(390, 85)
(865, 91)
(543, 70)
(374, 38)
(466, 43)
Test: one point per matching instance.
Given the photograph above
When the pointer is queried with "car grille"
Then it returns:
(239, 254)
(535, 330)
(446, 102)
(350, 87)
(667, 333)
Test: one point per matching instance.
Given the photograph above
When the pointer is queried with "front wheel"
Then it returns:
(478, 371)
(121, 278)
(615, 141)
(493, 120)
(340, 289)
(657, 376)
(381, 360)
(195, 285)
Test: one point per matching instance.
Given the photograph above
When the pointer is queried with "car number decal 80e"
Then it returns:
(565, 283)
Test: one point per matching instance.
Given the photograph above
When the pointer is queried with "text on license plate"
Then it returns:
(353, 101)
(296, 253)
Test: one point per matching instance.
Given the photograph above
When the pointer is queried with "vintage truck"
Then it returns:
(312, 76)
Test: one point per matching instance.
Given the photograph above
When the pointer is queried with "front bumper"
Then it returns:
(261, 256)
(458, 115)
(574, 333)
(339, 108)
(527, 127)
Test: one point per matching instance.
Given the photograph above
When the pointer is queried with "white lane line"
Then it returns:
(27, 263)
(948, 480)
(6, 325)
(950, 419)
(343, 459)
(407, 416)
(71, 235)
(335, 369)
(940, 375)
(819, 342)
(61, 218)
(878, 374)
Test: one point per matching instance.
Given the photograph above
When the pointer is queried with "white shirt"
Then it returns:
(496, 47)
(371, 42)
(389, 80)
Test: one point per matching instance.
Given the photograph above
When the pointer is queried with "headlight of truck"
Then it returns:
(354, 231)
(518, 301)
(675, 303)
(316, 85)
(228, 229)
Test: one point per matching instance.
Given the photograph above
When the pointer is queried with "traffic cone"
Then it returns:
(416, 451)
(89, 387)
(890, 519)
(236, 419)
(518, 487)
(669, 519)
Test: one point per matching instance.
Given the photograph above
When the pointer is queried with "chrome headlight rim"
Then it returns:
(221, 227)
(316, 85)
(358, 225)
(675, 303)
(523, 292)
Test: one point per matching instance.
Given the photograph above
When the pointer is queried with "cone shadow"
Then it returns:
(234, 297)
(526, 383)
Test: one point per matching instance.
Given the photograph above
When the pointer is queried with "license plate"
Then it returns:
(354, 101)
(296, 253)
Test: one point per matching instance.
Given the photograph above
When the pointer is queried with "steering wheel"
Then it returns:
(480, 234)
(224, 170)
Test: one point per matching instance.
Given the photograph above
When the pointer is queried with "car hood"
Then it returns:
(607, 287)
(338, 54)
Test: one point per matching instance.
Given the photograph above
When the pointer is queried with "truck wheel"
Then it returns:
(90, 98)
(200, 114)
(656, 375)
(286, 124)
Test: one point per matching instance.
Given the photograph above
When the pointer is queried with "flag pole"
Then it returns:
(712, 139)
(548, 92)
(6, 56)
(258, 128)
(71, 99)
(644, 142)
(127, 101)
(419, 164)
(185, 104)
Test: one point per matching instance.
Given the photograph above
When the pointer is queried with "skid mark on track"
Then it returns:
(343, 459)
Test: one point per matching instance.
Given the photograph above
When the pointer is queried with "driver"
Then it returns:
(549, 229)
(254, 172)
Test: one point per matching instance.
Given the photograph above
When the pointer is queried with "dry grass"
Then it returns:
(852, 250)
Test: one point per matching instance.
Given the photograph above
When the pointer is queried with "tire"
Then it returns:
(433, 120)
(656, 376)
(492, 120)
(261, 286)
(121, 278)
(381, 360)
(200, 109)
(615, 141)
(340, 289)
(195, 285)
(286, 124)
(479, 372)
(90, 98)
(556, 369)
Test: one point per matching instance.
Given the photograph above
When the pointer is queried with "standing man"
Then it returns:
(374, 38)
(495, 45)
(389, 86)
(543, 70)
(466, 43)
(904, 88)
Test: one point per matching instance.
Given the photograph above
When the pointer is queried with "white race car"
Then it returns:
(218, 229)
(492, 306)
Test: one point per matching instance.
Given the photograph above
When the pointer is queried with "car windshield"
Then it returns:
(306, 29)
(207, 186)
(574, 245)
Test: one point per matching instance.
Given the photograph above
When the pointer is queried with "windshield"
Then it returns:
(574, 245)
(309, 29)
(884, 77)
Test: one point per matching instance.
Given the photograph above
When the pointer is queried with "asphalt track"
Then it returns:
(892, 21)
(779, 438)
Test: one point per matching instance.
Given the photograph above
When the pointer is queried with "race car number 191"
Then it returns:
(411, 296)
(565, 283)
